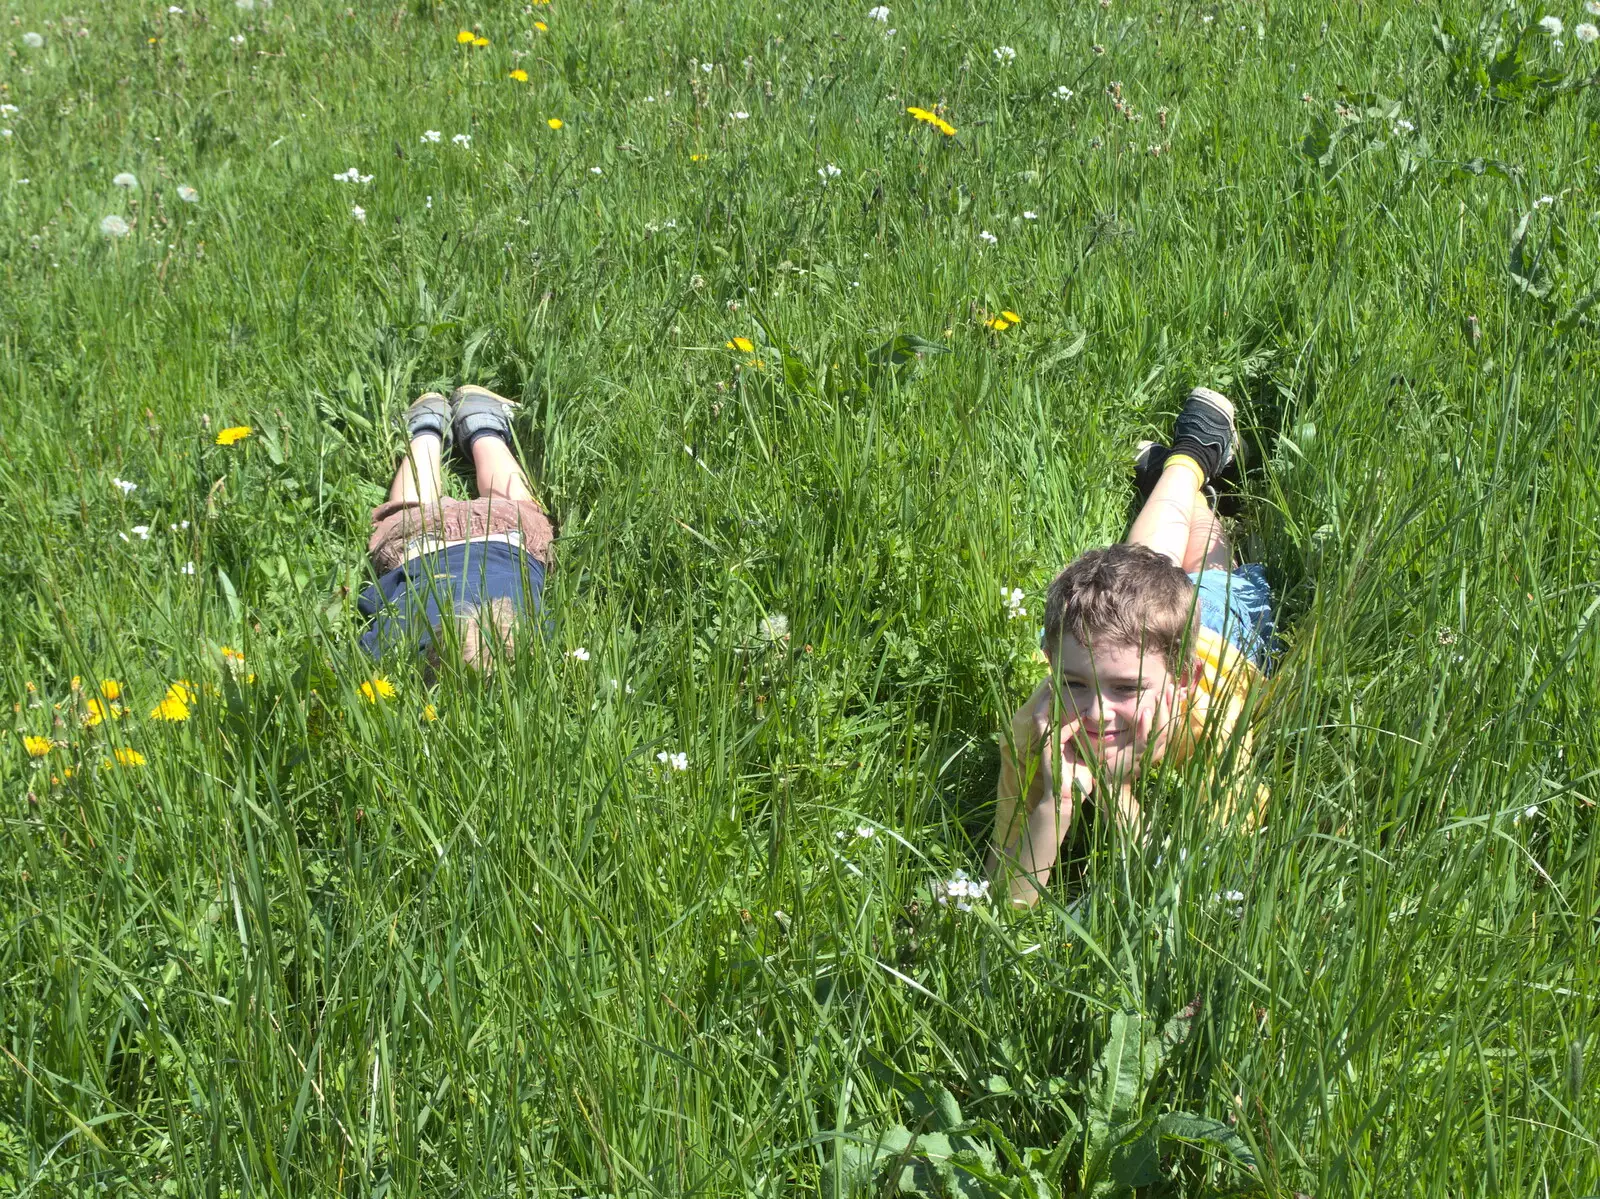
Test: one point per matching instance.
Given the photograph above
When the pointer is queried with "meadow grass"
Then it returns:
(317, 943)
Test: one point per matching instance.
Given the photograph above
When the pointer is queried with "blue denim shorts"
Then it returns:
(1237, 605)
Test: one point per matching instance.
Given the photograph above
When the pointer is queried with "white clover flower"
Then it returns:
(431, 135)
(33, 40)
(237, 39)
(113, 226)
(188, 194)
(1029, 215)
(673, 761)
(1004, 55)
(878, 13)
(188, 568)
(429, 204)
(126, 487)
(580, 654)
(462, 139)
(126, 180)
(358, 212)
(1586, 33)
(179, 527)
(962, 890)
(741, 115)
(1552, 26)
(865, 831)
(142, 532)
(1064, 92)
(985, 235)
(708, 67)
(1404, 127)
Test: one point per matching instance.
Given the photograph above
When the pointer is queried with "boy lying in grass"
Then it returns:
(1153, 647)
(482, 561)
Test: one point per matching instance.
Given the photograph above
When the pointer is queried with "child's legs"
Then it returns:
(500, 477)
(420, 476)
(1177, 522)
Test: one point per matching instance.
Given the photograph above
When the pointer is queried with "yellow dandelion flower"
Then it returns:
(465, 37)
(37, 747)
(429, 712)
(100, 711)
(1011, 316)
(174, 707)
(234, 433)
(77, 684)
(541, 27)
(997, 323)
(232, 655)
(944, 126)
(110, 688)
(520, 75)
(697, 158)
(555, 122)
(742, 344)
(377, 687)
(127, 757)
(920, 114)
(480, 41)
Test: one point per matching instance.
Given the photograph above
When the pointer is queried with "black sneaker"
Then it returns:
(1148, 464)
(478, 412)
(429, 413)
(1205, 431)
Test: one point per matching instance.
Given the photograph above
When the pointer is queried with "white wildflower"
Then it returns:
(1030, 215)
(33, 40)
(673, 761)
(358, 212)
(188, 568)
(431, 135)
(237, 39)
(1013, 601)
(1552, 26)
(429, 204)
(741, 115)
(113, 226)
(864, 831)
(1586, 33)
(828, 172)
(125, 179)
(244, 5)
(985, 235)
(179, 527)
(462, 139)
(580, 654)
(126, 487)
(962, 890)
(1404, 127)
(1004, 55)
(878, 13)
(9, 110)
(1544, 201)
(1592, 7)
(142, 532)
(5, 133)
(1064, 92)
(174, 11)
(596, 171)
(708, 67)
(188, 194)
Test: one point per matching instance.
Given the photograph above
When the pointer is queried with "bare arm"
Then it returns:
(1026, 843)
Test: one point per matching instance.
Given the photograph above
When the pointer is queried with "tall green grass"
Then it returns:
(323, 945)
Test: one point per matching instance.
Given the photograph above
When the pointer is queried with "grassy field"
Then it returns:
(478, 939)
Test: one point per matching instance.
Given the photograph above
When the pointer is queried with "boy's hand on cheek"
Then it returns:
(1151, 729)
(1076, 775)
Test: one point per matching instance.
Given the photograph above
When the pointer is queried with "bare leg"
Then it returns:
(1165, 522)
(1208, 547)
(500, 476)
(420, 477)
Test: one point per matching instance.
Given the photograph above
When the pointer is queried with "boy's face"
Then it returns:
(1124, 696)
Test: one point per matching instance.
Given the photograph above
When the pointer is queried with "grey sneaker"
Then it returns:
(429, 413)
(1205, 430)
(477, 411)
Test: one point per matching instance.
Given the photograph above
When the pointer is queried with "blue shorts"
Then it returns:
(1237, 605)
(405, 604)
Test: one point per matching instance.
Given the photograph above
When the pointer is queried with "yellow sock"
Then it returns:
(1185, 460)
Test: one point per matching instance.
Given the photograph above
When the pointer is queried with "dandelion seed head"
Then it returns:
(113, 226)
(1552, 25)
(1586, 33)
(33, 40)
(188, 194)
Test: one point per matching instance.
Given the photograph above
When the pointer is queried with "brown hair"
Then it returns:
(1126, 596)
(481, 633)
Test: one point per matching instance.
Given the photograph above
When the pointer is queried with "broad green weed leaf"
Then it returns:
(1186, 1127)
